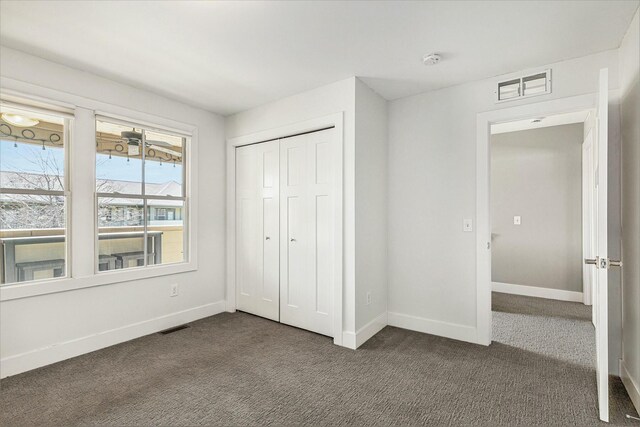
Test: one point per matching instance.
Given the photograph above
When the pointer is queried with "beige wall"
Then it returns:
(536, 174)
(629, 58)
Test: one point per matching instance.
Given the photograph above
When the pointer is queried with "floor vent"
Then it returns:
(172, 330)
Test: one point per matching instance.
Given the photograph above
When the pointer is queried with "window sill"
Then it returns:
(26, 290)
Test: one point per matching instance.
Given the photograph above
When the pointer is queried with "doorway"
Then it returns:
(536, 207)
(541, 173)
(284, 222)
(598, 102)
(303, 286)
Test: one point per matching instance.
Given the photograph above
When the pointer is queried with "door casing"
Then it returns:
(483, 185)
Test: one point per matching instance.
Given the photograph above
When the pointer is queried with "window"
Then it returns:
(139, 180)
(33, 194)
(523, 87)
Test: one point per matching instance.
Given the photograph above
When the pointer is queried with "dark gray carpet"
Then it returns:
(237, 369)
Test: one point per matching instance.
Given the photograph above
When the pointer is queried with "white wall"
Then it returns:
(432, 188)
(629, 57)
(42, 329)
(333, 98)
(537, 175)
(371, 207)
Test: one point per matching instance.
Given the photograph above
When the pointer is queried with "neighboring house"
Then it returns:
(25, 211)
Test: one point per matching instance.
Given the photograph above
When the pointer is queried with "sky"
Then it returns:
(16, 159)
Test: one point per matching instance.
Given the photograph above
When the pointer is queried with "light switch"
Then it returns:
(467, 225)
(517, 220)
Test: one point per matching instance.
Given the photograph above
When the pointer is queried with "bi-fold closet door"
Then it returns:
(285, 230)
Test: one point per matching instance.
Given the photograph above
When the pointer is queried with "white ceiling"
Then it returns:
(546, 121)
(231, 56)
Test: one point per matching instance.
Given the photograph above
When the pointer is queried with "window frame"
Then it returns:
(187, 139)
(68, 122)
(84, 111)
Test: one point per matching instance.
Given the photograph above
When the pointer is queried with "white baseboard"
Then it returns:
(632, 388)
(16, 364)
(535, 291)
(354, 340)
(433, 327)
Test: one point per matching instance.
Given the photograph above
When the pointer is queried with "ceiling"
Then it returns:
(540, 122)
(230, 56)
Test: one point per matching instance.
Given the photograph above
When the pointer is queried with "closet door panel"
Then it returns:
(324, 255)
(306, 278)
(246, 229)
(257, 233)
(270, 292)
(293, 235)
(321, 258)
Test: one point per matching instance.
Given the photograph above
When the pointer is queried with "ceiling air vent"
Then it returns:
(524, 87)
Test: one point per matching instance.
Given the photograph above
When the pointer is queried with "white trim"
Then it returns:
(632, 388)
(353, 340)
(483, 168)
(44, 287)
(13, 365)
(335, 120)
(433, 327)
(536, 291)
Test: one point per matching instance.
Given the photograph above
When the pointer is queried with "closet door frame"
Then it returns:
(317, 124)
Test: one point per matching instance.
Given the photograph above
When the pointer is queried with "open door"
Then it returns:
(600, 263)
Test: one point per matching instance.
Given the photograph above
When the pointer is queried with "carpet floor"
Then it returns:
(238, 369)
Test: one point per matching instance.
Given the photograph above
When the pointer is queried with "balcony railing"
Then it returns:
(40, 253)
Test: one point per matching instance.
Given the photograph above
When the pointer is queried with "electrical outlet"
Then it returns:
(467, 225)
(173, 291)
(368, 298)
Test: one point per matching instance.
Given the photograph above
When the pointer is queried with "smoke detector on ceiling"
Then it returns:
(431, 59)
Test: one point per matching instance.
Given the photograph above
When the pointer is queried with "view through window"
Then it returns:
(141, 196)
(33, 213)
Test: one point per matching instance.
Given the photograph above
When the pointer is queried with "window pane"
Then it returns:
(32, 236)
(508, 90)
(165, 229)
(163, 165)
(118, 159)
(120, 233)
(534, 84)
(32, 224)
(31, 150)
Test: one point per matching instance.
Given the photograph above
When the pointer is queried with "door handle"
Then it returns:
(267, 238)
(603, 262)
(293, 240)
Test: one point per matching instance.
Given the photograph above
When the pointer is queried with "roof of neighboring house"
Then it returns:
(54, 183)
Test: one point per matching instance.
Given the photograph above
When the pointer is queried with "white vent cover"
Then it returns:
(524, 87)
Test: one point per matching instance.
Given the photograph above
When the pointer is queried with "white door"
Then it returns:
(600, 263)
(257, 229)
(588, 216)
(306, 232)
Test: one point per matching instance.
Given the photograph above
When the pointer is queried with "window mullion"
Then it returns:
(33, 192)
